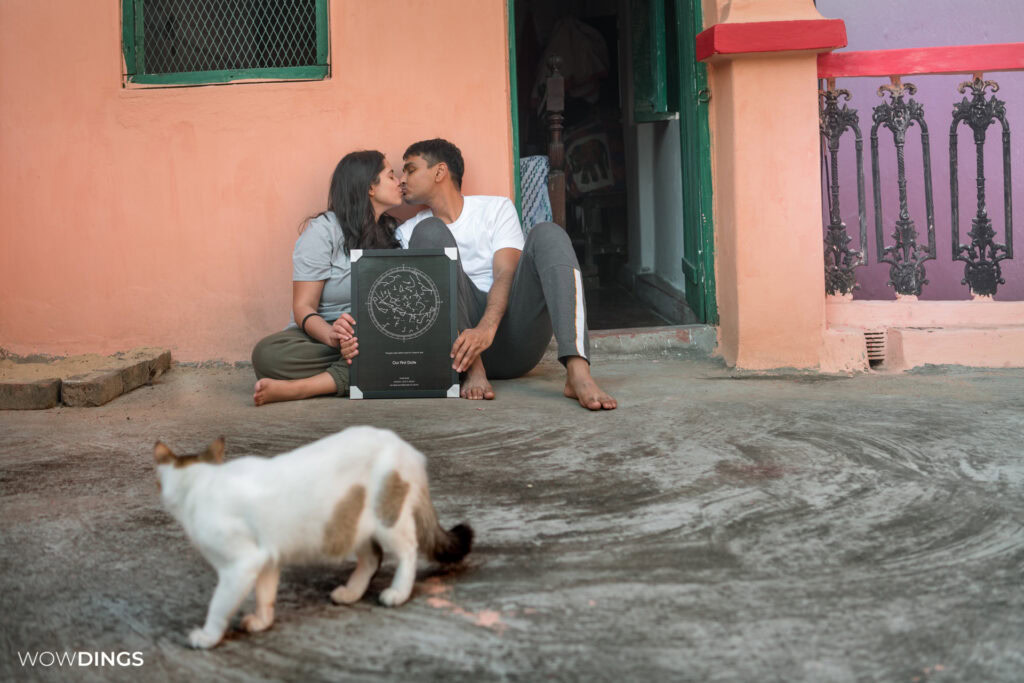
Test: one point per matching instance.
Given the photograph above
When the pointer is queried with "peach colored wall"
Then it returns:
(880, 314)
(735, 11)
(981, 333)
(167, 216)
(763, 117)
(767, 206)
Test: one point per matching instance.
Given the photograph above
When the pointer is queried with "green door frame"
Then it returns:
(698, 228)
(514, 102)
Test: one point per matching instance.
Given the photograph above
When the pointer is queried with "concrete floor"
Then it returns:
(716, 527)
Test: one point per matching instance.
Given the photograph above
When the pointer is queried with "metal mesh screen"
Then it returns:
(219, 35)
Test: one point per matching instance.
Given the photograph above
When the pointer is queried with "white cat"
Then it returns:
(353, 493)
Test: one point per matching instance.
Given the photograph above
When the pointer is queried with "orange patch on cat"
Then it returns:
(214, 455)
(389, 505)
(340, 530)
(425, 519)
(162, 455)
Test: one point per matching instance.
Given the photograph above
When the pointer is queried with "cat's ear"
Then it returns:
(214, 452)
(162, 455)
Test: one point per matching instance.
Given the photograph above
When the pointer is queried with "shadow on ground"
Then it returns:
(864, 528)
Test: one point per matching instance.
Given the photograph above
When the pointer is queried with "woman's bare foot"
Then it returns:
(475, 385)
(582, 387)
(273, 390)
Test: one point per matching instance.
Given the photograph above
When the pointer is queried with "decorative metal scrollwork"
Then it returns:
(840, 260)
(906, 258)
(982, 272)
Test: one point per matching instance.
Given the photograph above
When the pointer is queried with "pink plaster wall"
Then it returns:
(166, 217)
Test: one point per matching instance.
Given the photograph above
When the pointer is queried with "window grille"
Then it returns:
(213, 41)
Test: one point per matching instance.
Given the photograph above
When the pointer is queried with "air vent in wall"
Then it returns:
(875, 341)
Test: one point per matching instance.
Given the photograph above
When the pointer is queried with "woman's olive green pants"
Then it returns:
(293, 354)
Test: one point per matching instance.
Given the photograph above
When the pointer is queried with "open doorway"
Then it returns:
(623, 142)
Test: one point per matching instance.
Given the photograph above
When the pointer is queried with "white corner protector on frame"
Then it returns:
(354, 255)
(453, 254)
(453, 391)
(355, 392)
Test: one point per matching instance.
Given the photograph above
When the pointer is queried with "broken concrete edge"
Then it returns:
(87, 389)
(39, 394)
(103, 386)
(91, 388)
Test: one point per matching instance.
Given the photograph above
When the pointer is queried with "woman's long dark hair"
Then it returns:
(349, 199)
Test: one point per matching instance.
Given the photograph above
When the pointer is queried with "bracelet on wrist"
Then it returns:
(302, 326)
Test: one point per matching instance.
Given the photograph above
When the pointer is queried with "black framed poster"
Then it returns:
(404, 303)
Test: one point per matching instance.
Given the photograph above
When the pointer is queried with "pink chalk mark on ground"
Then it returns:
(439, 603)
(485, 618)
(434, 586)
(489, 618)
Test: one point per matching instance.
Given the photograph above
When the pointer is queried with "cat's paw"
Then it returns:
(201, 640)
(390, 597)
(342, 595)
(254, 624)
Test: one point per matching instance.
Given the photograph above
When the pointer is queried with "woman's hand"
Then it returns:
(344, 326)
(333, 338)
(349, 349)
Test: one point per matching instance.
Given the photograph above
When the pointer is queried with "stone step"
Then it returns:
(122, 374)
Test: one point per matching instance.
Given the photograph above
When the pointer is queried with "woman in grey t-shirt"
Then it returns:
(309, 358)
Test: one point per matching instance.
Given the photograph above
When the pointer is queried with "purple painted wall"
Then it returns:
(885, 25)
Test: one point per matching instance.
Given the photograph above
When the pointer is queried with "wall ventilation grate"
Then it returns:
(875, 341)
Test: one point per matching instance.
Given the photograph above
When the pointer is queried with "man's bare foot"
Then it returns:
(582, 387)
(273, 390)
(475, 385)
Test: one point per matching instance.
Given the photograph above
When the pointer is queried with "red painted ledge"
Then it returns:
(955, 59)
(771, 36)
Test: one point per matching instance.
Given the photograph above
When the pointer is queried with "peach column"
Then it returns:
(767, 188)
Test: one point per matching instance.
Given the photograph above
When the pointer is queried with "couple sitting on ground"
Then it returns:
(512, 293)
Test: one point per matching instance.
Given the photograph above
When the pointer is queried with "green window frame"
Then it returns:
(654, 60)
(193, 18)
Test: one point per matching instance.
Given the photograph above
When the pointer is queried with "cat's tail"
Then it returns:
(454, 544)
(439, 545)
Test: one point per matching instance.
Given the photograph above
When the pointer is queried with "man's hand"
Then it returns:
(470, 344)
(475, 340)
(344, 327)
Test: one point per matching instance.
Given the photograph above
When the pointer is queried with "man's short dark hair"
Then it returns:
(438, 150)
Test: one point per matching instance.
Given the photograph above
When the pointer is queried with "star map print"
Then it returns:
(403, 303)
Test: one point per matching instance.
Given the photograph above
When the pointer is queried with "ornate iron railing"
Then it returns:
(898, 112)
(982, 256)
(840, 260)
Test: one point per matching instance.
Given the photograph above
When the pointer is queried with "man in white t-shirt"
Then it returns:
(513, 293)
